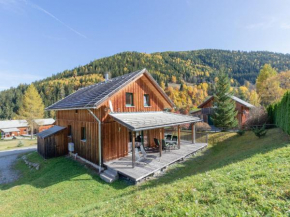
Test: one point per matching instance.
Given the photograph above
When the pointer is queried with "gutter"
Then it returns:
(100, 140)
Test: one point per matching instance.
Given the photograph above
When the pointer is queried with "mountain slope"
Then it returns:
(189, 66)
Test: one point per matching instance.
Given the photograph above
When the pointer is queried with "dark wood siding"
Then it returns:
(87, 149)
(53, 146)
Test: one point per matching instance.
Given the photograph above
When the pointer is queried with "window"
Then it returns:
(146, 100)
(129, 99)
(83, 134)
(77, 111)
(69, 130)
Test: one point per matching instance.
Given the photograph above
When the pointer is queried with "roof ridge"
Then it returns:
(127, 75)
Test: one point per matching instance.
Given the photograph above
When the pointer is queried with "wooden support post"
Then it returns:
(160, 143)
(133, 149)
(193, 133)
(178, 133)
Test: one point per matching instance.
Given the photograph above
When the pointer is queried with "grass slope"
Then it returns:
(14, 143)
(235, 176)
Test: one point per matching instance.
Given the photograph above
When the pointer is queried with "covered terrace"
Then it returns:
(154, 161)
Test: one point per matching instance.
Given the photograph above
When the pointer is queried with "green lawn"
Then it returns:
(14, 143)
(235, 176)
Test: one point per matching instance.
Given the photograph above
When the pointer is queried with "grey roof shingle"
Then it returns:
(243, 102)
(137, 121)
(50, 131)
(13, 124)
(92, 96)
(44, 121)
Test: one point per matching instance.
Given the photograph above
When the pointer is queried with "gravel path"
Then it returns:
(7, 174)
(7, 159)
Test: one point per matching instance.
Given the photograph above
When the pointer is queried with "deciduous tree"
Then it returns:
(32, 107)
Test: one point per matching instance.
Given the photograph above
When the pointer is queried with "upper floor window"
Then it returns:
(146, 100)
(83, 134)
(129, 99)
(69, 130)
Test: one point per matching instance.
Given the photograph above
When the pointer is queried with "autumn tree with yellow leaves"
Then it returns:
(32, 107)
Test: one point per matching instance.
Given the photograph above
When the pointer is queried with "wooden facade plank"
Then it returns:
(115, 137)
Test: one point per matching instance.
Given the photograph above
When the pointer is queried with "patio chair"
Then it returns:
(143, 151)
(137, 155)
(168, 137)
(165, 146)
(174, 141)
(156, 141)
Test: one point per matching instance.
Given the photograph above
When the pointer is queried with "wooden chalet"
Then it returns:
(13, 128)
(42, 124)
(106, 120)
(207, 110)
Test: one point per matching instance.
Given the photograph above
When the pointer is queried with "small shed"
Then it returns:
(52, 142)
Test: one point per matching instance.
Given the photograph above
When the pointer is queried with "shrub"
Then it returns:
(202, 126)
(20, 144)
(260, 132)
(241, 132)
(257, 117)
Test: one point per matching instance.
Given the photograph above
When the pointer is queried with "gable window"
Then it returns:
(83, 134)
(69, 130)
(129, 99)
(146, 100)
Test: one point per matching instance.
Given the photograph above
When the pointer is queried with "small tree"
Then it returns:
(32, 107)
(225, 112)
(260, 132)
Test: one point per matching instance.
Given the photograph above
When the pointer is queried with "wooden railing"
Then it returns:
(200, 137)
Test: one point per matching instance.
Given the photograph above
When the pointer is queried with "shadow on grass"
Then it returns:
(54, 171)
(230, 150)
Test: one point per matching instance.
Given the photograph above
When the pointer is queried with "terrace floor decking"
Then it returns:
(153, 162)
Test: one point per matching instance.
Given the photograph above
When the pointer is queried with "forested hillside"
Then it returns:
(195, 68)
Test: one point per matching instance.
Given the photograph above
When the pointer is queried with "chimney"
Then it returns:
(106, 77)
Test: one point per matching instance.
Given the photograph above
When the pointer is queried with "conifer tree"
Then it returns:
(32, 107)
(225, 112)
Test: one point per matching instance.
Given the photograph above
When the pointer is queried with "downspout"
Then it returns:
(100, 139)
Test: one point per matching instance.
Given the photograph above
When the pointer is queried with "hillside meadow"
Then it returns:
(234, 176)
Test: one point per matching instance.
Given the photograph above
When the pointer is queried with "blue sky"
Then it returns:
(41, 38)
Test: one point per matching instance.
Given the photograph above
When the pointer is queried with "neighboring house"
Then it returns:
(206, 110)
(13, 128)
(43, 124)
(105, 120)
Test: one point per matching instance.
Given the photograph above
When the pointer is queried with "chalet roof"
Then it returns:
(92, 96)
(137, 121)
(13, 124)
(9, 130)
(45, 121)
(50, 131)
(243, 102)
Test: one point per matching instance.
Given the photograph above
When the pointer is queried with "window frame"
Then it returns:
(146, 96)
(83, 134)
(69, 130)
(132, 95)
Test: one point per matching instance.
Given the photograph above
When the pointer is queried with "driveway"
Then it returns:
(7, 158)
